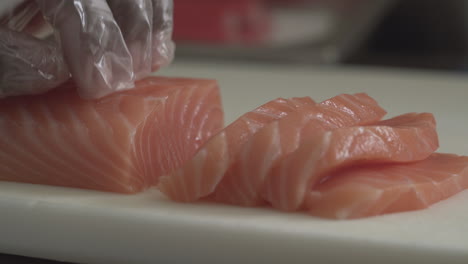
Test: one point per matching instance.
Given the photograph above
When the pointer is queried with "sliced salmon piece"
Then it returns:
(120, 143)
(199, 177)
(376, 190)
(243, 181)
(406, 138)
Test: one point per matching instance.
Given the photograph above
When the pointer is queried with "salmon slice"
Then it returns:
(376, 190)
(120, 143)
(406, 138)
(243, 181)
(199, 177)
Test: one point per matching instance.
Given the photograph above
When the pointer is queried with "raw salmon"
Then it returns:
(198, 177)
(376, 190)
(243, 181)
(120, 143)
(406, 138)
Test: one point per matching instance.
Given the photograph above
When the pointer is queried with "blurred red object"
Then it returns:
(291, 1)
(221, 21)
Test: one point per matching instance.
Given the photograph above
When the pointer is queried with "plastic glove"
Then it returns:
(104, 45)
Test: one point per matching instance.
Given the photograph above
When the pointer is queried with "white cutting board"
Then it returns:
(93, 227)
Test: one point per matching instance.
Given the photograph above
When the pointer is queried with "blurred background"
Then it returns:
(422, 34)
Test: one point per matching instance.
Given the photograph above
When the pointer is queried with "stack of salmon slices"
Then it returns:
(335, 159)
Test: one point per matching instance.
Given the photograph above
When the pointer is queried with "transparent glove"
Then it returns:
(105, 46)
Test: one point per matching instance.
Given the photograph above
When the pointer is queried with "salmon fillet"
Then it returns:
(199, 176)
(376, 190)
(244, 179)
(120, 143)
(406, 138)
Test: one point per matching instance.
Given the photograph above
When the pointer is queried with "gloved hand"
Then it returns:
(104, 45)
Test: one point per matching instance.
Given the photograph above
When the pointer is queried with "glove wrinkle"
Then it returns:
(29, 65)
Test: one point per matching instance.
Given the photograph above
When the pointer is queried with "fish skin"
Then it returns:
(244, 180)
(366, 191)
(60, 139)
(406, 138)
(199, 177)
